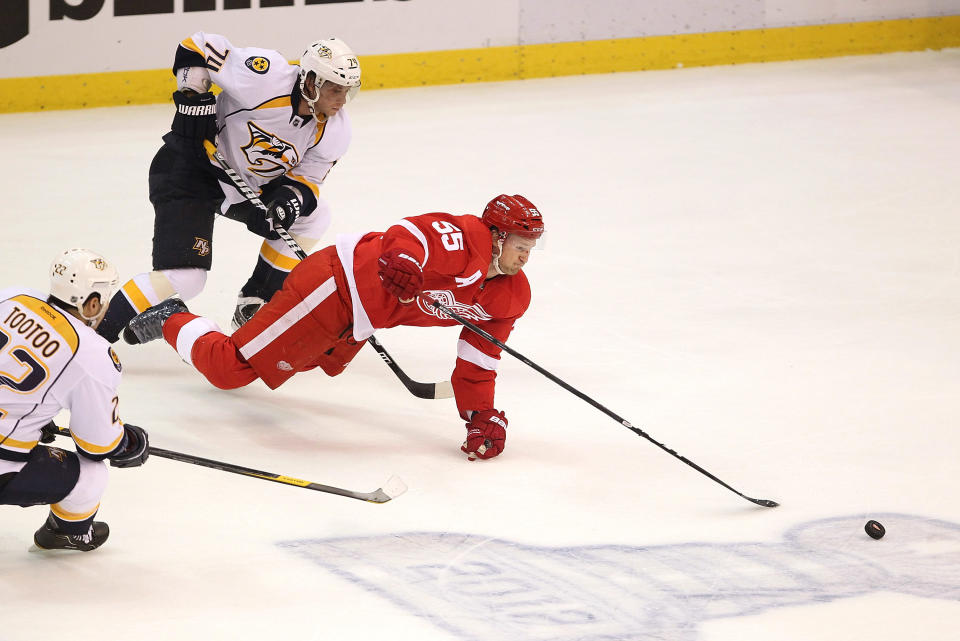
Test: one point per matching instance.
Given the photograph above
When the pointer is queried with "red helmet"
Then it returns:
(513, 215)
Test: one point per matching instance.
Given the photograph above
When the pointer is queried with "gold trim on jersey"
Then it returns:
(276, 103)
(72, 516)
(275, 258)
(26, 445)
(188, 43)
(321, 125)
(315, 188)
(135, 295)
(54, 318)
(97, 449)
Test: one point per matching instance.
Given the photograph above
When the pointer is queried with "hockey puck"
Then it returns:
(874, 530)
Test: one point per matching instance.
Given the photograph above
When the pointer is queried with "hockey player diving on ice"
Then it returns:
(339, 296)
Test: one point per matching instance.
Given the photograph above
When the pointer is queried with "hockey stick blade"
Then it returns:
(393, 488)
(421, 390)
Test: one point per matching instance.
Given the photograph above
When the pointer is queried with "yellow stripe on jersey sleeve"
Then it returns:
(54, 318)
(136, 296)
(188, 43)
(282, 101)
(277, 259)
(24, 445)
(97, 449)
(315, 188)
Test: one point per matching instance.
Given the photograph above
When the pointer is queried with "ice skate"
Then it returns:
(148, 325)
(247, 306)
(49, 537)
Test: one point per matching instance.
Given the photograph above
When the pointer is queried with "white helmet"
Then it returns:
(331, 60)
(77, 273)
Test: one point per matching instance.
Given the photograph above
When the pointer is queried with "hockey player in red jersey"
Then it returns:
(337, 297)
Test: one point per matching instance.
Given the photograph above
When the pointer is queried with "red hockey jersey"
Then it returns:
(455, 253)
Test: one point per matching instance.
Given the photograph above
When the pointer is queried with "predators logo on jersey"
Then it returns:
(201, 246)
(267, 154)
(115, 359)
(257, 64)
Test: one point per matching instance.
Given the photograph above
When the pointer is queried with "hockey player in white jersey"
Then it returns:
(282, 127)
(51, 359)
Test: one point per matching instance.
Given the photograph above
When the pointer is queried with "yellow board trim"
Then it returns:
(528, 61)
(58, 322)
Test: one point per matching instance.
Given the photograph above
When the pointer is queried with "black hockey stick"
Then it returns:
(393, 488)
(249, 194)
(420, 390)
(480, 332)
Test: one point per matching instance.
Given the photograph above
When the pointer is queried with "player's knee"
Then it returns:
(47, 476)
(91, 484)
(216, 357)
(187, 282)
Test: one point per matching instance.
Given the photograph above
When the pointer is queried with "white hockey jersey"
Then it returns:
(49, 361)
(260, 133)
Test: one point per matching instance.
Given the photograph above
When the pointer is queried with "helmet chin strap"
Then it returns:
(496, 259)
(311, 104)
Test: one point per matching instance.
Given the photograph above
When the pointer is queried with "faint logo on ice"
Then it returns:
(606, 592)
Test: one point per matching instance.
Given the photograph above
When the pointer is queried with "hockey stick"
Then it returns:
(420, 390)
(483, 334)
(249, 194)
(393, 488)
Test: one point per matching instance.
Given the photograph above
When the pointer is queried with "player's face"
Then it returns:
(515, 253)
(332, 98)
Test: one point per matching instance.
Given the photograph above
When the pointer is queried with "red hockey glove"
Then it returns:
(486, 435)
(400, 275)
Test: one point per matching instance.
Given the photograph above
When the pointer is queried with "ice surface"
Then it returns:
(758, 265)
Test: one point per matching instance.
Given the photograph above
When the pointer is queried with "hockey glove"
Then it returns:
(400, 274)
(282, 211)
(486, 435)
(134, 449)
(196, 118)
(48, 433)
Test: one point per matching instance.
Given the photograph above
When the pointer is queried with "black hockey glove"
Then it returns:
(196, 117)
(282, 210)
(48, 433)
(134, 449)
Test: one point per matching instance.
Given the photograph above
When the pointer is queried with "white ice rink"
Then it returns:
(759, 265)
